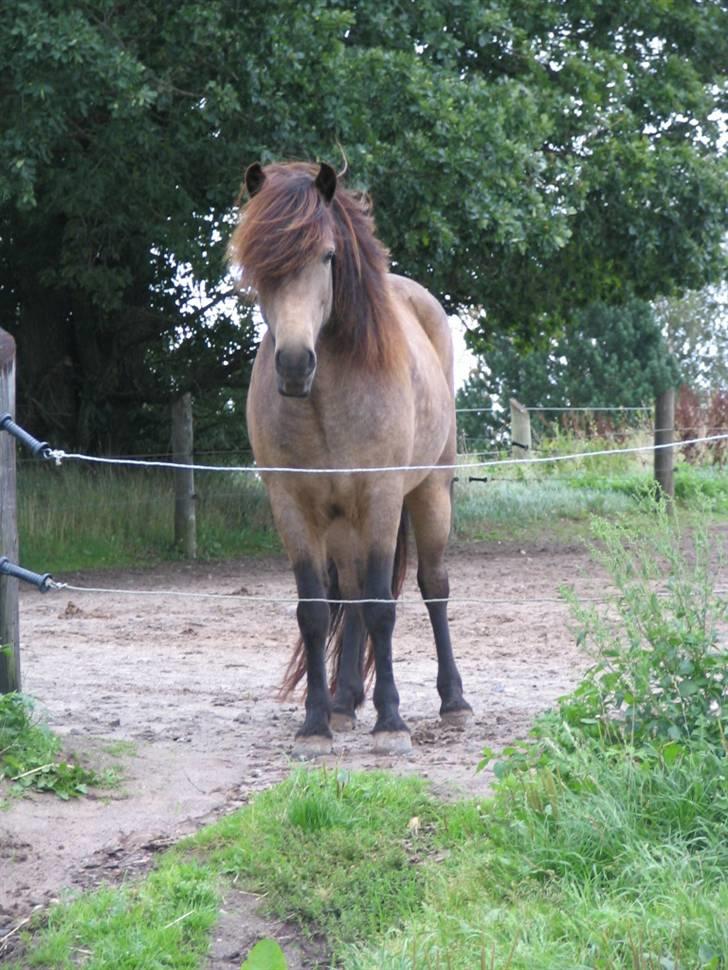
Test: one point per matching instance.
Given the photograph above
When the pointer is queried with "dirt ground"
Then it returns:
(180, 692)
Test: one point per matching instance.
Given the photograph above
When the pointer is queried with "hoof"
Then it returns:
(457, 718)
(392, 742)
(342, 722)
(311, 746)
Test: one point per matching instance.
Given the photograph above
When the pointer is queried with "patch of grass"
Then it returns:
(513, 507)
(161, 921)
(121, 749)
(595, 869)
(695, 486)
(30, 755)
(331, 850)
(580, 860)
(74, 517)
(336, 852)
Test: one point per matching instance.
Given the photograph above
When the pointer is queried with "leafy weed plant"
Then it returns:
(30, 754)
(661, 673)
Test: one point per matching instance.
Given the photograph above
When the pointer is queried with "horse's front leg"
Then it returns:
(314, 737)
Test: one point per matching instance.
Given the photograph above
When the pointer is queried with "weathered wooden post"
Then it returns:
(185, 519)
(9, 626)
(665, 435)
(520, 430)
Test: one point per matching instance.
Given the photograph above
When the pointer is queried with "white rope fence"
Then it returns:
(292, 601)
(403, 601)
(46, 582)
(60, 456)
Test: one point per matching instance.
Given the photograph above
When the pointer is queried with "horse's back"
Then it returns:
(431, 317)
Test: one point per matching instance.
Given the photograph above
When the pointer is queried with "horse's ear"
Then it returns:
(326, 182)
(254, 178)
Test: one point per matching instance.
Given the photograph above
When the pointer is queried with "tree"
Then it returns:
(525, 159)
(608, 357)
(696, 329)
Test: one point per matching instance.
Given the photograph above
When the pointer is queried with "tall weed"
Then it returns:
(661, 670)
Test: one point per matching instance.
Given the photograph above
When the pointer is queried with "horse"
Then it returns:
(354, 371)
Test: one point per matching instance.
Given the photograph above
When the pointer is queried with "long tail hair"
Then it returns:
(335, 640)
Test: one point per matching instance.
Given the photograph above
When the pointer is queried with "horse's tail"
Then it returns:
(296, 669)
(335, 644)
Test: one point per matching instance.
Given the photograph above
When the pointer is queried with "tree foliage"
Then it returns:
(608, 357)
(696, 328)
(525, 159)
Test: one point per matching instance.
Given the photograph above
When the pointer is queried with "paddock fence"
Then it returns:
(185, 468)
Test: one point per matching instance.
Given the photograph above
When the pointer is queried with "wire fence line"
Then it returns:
(498, 410)
(403, 601)
(59, 456)
(294, 600)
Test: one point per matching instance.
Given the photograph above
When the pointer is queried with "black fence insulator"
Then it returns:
(474, 478)
(39, 448)
(41, 581)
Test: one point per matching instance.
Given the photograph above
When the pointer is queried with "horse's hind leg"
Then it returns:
(429, 506)
(349, 690)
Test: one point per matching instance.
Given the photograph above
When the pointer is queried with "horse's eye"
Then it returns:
(329, 256)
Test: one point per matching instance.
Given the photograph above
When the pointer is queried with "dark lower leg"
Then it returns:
(449, 682)
(313, 620)
(349, 693)
(379, 619)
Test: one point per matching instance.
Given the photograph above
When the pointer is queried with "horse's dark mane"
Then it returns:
(283, 226)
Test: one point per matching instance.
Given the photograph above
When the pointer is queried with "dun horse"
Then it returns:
(355, 370)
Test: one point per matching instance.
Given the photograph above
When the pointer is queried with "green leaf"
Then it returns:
(672, 751)
(265, 955)
(487, 756)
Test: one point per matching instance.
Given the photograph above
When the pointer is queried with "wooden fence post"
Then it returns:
(9, 625)
(185, 518)
(665, 435)
(520, 430)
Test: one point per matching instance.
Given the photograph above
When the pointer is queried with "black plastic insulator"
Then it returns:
(41, 580)
(39, 448)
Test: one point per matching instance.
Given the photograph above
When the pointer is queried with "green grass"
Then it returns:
(518, 501)
(162, 921)
(585, 862)
(73, 517)
(334, 851)
(597, 870)
(498, 509)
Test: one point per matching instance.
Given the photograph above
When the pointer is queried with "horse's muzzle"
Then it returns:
(295, 370)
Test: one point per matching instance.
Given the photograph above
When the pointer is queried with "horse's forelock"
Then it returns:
(279, 226)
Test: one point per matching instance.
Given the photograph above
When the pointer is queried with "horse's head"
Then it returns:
(295, 288)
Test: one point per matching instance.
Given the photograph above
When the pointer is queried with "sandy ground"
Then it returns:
(188, 685)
